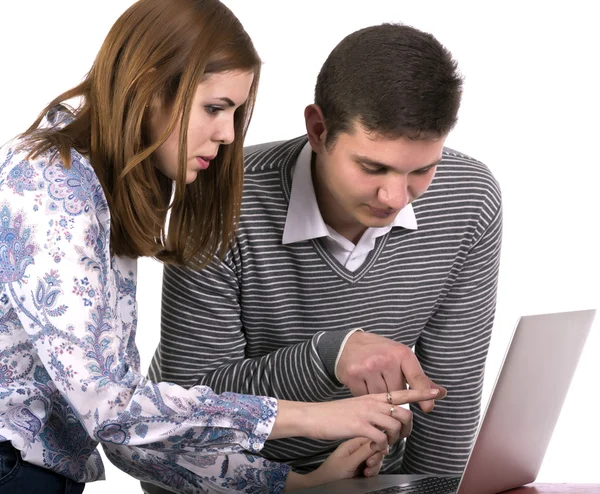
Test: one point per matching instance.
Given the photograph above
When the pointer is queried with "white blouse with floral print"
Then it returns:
(69, 367)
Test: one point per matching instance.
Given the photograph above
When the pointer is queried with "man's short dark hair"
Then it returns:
(394, 80)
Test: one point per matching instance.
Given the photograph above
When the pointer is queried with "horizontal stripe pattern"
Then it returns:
(252, 324)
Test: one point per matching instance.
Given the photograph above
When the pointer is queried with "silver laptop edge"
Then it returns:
(502, 457)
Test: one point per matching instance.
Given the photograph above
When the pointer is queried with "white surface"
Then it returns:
(530, 111)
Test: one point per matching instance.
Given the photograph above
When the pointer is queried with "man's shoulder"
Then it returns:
(462, 170)
(461, 185)
(263, 146)
(452, 158)
(272, 156)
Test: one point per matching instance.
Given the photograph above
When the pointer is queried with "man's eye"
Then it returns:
(423, 171)
(373, 169)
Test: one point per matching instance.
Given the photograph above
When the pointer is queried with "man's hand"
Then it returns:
(373, 364)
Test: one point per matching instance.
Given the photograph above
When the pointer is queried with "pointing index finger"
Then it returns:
(412, 395)
(416, 379)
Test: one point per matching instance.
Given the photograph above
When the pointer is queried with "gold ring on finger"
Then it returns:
(392, 410)
(389, 398)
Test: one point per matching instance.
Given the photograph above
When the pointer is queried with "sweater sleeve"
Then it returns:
(203, 341)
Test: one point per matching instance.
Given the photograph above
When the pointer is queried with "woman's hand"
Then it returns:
(344, 463)
(372, 465)
(368, 416)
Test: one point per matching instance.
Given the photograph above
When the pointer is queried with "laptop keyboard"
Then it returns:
(428, 485)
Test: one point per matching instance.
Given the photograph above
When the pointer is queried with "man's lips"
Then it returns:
(381, 213)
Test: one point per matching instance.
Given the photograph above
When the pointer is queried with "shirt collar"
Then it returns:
(304, 220)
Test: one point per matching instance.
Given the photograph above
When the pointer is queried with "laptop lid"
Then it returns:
(526, 401)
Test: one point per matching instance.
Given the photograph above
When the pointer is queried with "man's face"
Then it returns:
(363, 180)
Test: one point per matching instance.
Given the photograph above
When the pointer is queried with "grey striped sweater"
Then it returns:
(269, 319)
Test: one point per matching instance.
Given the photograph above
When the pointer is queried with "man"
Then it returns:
(356, 242)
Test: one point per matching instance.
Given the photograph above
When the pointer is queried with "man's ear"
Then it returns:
(315, 127)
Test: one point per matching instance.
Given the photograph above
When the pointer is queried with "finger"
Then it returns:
(416, 378)
(376, 384)
(405, 417)
(374, 459)
(410, 396)
(361, 455)
(402, 415)
(427, 406)
(403, 425)
(351, 446)
(383, 421)
(403, 384)
(373, 465)
(372, 472)
(391, 426)
(443, 391)
(358, 388)
(378, 440)
(394, 380)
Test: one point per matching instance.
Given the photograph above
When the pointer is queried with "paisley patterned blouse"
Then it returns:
(69, 367)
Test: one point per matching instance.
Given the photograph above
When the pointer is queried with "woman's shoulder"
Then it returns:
(45, 179)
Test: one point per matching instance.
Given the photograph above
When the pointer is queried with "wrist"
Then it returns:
(341, 350)
(328, 345)
(292, 420)
(297, 481)
(303, 481)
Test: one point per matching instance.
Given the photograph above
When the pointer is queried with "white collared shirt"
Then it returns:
(304, 220)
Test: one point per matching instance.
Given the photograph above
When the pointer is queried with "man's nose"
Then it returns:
(393, 193)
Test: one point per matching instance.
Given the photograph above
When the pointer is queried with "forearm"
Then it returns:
(192, 473)
(196, 348)
(297, 481)
(292, 420)
(204, 341)
(291, 373)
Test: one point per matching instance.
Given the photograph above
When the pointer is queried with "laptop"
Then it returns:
(519, 419)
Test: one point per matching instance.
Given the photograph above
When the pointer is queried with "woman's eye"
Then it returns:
(213, 110)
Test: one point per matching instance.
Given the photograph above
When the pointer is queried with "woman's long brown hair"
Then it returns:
(158, 51)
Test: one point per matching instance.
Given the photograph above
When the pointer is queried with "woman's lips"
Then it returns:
(204, 161)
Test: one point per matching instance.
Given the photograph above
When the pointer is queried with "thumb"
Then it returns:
(361, 454)
(351, 446)
(443, 391)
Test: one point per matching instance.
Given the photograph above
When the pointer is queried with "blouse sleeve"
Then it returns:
(77, 312)
(191, 473)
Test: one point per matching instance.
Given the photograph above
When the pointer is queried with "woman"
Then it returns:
(83, 194)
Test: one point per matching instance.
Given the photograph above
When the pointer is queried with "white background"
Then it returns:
(530, 111)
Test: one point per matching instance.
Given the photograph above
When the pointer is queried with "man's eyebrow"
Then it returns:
(369, 161)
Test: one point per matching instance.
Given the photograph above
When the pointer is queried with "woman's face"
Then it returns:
(211, 123)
